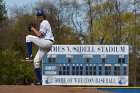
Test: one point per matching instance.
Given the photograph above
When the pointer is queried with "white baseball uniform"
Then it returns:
(44, 43)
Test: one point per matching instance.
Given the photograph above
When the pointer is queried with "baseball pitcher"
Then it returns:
(43, 39)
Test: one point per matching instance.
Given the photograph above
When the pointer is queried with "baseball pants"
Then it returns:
(44, 47)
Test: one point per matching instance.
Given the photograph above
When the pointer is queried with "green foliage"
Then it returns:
(13, 71)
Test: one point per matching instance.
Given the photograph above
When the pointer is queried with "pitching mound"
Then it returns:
(44, 89)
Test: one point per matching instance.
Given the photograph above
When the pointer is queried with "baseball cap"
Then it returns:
(40, 12)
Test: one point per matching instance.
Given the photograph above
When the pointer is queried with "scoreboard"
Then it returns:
(94, 65)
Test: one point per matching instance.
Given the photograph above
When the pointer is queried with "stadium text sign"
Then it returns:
(89, 49)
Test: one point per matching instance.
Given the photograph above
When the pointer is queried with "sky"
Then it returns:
(11, 3)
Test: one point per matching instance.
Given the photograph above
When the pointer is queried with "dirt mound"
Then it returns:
(44, 89)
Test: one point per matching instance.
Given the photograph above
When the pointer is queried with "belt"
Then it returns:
(50, 40)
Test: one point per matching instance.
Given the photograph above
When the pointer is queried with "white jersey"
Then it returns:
(45, 29)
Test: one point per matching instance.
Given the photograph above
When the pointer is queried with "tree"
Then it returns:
(91, 18)
(2, 11)
(111, 24)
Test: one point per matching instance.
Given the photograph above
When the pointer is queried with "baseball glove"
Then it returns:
(31, 25)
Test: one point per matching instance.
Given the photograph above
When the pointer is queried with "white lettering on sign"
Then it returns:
(50, 68)
(86, 80)
(50, 72)
(69, 56)
(89, 49)
(87, 56)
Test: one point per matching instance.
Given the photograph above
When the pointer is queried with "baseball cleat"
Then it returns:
(28, 59)
(36, 83)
